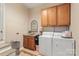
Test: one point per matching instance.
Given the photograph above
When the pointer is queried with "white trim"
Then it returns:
(4, 22)
(1, 42)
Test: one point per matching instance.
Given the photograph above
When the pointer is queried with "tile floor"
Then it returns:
(27, 52)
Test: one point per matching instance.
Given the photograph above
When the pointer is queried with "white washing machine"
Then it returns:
(52, 44)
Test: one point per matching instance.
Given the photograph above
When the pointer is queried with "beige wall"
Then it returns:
(16, 20)
(35, 13)
(75, 24)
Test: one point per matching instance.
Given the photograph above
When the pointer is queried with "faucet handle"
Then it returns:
(17, 33)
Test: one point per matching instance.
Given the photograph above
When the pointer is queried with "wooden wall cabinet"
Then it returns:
(52, 16)
(44, 21)
(63, 14)
(56, 16)
(29, 42)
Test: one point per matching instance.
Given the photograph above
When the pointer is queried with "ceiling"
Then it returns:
(33, 5)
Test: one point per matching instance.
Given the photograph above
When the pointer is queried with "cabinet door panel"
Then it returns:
(52, 16)
(63, 12)
(44, 18)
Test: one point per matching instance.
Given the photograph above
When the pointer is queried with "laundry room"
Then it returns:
(39, 29)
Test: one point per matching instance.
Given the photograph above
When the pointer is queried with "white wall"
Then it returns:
(75, 24)
(16, 20)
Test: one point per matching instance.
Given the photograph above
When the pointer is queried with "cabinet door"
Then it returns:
(29, 42)
(25, 42)
(32, 43)
(44, 18)
(52, 16)
(63, 14)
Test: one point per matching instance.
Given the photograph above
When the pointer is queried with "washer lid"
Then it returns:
(49, 36)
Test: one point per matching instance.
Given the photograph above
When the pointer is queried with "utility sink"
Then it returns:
(15, 44)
